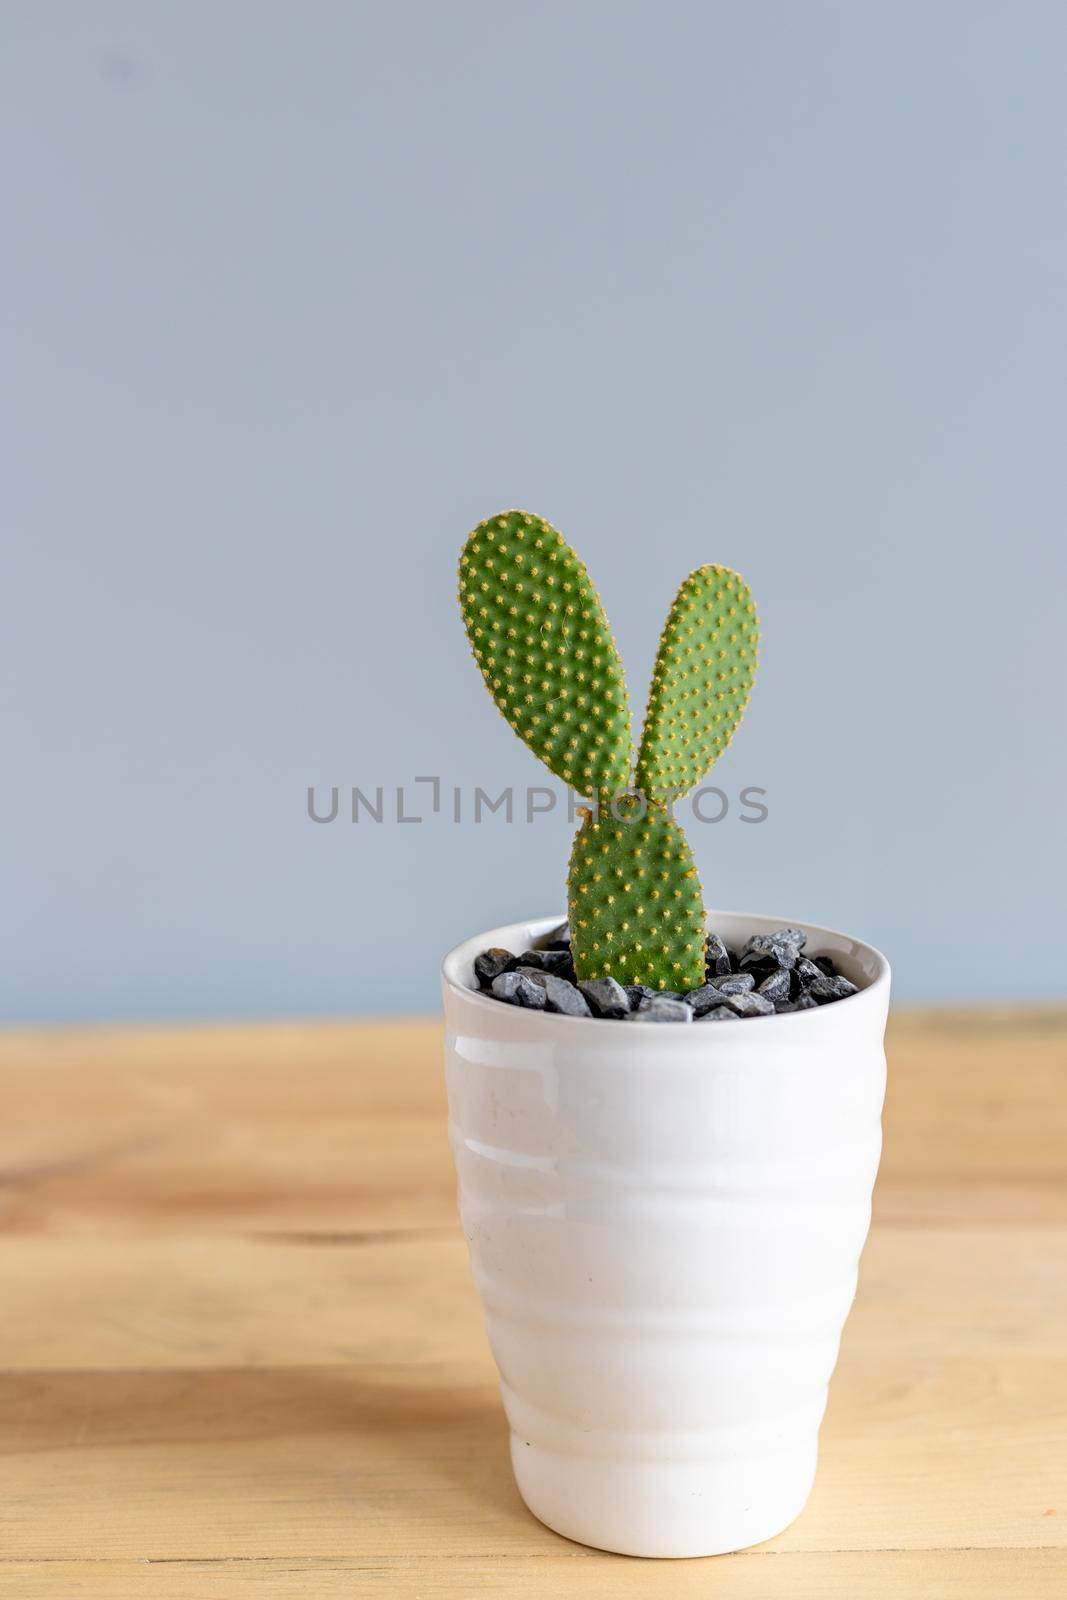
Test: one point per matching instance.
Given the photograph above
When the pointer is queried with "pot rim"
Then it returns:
(874, 995)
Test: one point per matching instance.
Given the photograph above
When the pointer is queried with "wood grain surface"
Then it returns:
(240, 1352)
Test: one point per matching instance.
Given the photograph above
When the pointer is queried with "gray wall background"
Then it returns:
(293, 295)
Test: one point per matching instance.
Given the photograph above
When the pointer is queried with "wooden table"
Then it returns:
(240, 1353)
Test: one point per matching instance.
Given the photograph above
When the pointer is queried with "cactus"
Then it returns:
(542, 642)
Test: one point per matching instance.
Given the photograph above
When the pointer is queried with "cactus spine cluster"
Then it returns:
(542, 642)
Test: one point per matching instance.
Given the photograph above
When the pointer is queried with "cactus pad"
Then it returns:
(700, 683)
(635, 907)
(541, 639)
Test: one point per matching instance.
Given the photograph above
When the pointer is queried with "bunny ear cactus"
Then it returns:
(541, 639)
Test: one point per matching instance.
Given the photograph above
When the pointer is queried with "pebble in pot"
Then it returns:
(559, 995)
(606, 997)
(663, 1008)
(491, 963)
(518, 990)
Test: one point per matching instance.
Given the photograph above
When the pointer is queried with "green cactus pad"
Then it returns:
(701, 682)
(634, 902)
(541, 639)
(544, 648)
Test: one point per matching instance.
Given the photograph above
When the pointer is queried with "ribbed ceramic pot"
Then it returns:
(665, 1224)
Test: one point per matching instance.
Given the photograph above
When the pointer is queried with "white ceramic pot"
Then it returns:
(665, 1223)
